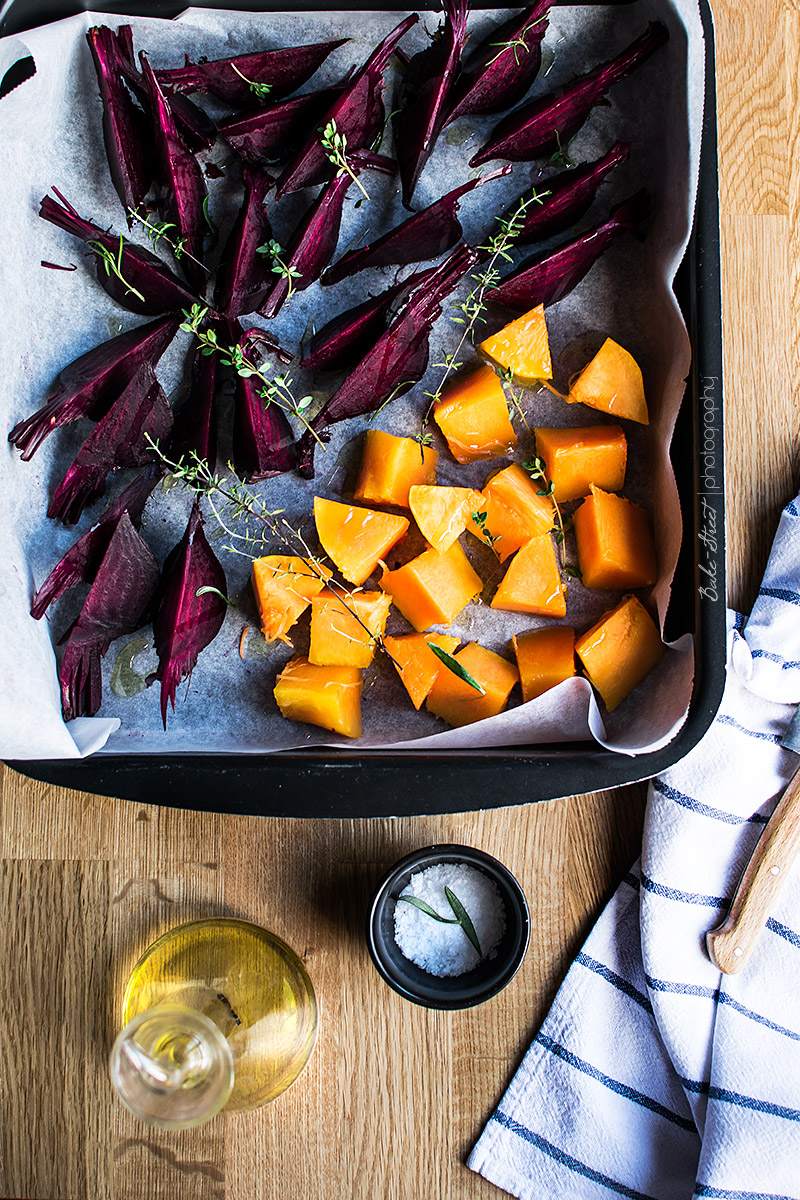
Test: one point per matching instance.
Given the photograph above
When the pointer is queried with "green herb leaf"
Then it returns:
(462, 916)
(202, 591)
(455, 666)
(431, 912)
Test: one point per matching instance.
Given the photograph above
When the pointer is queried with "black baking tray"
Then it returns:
(379, 783)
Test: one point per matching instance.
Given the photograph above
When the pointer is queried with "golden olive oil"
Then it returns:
(251, 985)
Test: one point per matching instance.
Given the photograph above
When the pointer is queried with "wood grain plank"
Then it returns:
(751, 81)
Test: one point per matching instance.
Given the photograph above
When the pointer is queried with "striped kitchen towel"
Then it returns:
(654, 1076)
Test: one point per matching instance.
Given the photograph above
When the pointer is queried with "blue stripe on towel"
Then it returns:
(762, 1106)
(784, 931)
(615, 980)
(668, 893)
(786, 665)
(613, 1085)
(704, 810)
(566, 1160)
(780, 594)
(704, 1189)
(687, 989)
(791, 508)
(753, 733)
(724, 1096)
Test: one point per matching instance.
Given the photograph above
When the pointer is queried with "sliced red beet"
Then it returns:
(422, 106)
(428, 234)
(279, 70)
(125, 128)
(346, 338)
(82, 561)
(547, 124)
(139, 281)
(245, 276)
(263, 442)
(546, 278)
(565, 197)
(119, 439)
(195, 431)
(502, 67)
(90, 384)
(358, 115)
(118, 603)
(185, 622)
(181, 175)
(275, 133)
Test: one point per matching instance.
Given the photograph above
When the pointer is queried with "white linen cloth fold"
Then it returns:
(654, 1076)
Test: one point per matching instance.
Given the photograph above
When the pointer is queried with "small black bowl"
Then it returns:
(456, 991)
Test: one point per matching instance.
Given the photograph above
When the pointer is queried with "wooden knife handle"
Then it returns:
(731, 943)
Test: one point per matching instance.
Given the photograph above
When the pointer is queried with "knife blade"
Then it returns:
(730, 944)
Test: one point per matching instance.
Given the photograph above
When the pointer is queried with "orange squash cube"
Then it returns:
(522, 347)
(473, 416)
(416, 664)
(615, 542)
(283, 589)
(326, 696)
(576, 458)
(344, 629)
(442, 513)
(514, 511)
(620, 650)
(545, 657)
(390, 465)
(433, 588)
(532, 583)
(457, 702)
(612, 382)
(355, 539)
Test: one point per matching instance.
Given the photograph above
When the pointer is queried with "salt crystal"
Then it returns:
(444, 949)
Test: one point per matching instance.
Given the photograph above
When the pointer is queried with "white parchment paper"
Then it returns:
(50, 134)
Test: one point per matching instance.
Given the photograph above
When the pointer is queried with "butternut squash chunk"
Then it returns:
(457, 702)
(326, 696)
(283, 588)
(442, 513)
(615, 544)
(612, 382)
(620, 650)
(522, 347)
(344, 628)
(512, 512)
(576, 458)
(532, 583)
(545, 657)
(416, 664)
(354, 538)
(473, 416)
(390, 465)
(433, 588)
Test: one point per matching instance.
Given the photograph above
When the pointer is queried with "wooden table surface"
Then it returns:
(394, 1095)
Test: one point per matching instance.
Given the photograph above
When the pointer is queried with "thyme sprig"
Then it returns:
(471, 310)
(516, 44)
(158, 231)
(113, 265)
(274, 250)
(260, 90)
(537, 469)
(273, 390)
(334, 144)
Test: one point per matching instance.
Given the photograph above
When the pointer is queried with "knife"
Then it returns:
(731, 943)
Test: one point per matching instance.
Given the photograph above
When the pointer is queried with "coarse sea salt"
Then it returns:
(444, 949)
